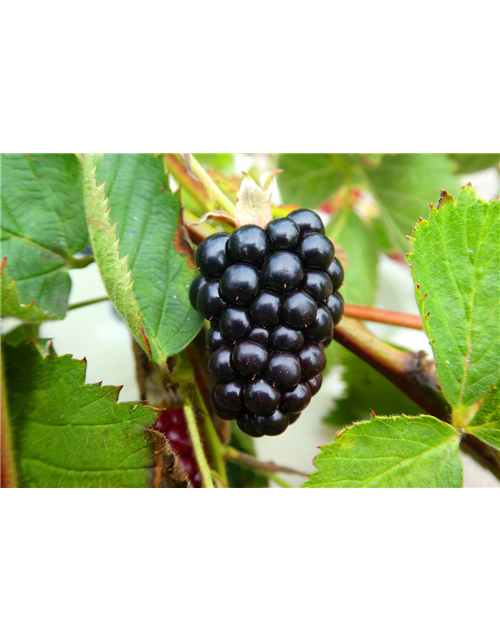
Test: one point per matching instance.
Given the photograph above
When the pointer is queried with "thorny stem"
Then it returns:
(199, 454)
(211, 188)
(386, 317)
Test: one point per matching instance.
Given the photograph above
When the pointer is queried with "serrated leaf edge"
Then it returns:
(91, 188)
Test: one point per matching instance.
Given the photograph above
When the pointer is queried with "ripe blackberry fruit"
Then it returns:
(211, 256)
(208, 302)
(239, 284)
(272, 298)
(285, 338)
(219, 364)
(215, 340)
(271, 425)
(315, 383)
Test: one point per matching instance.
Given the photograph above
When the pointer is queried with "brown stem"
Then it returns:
(233, 455)
(383, 316)
(410, 372)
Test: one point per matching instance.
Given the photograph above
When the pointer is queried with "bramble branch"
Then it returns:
(385, 317)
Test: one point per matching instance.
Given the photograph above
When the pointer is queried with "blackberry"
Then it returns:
(265, 309)
(285, 338)
(208, 302)
(284, 369)
(194, 290)
(336, 273)
(234, 323)
(273, 301)
(219, 364)
(322, 328)
(211, 256)
(249, 358)
(248, 244)
(259, 334)
(283, 270)
(335, 304)
(239, 284)
(215, 340)
(261, 397)
(299, 309)
(312, 360)
(228, 395)
(315, 383)
(318, 285)
(271, 425)
(297, 399)
(307, 221)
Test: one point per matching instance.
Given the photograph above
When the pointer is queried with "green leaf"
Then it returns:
(147, 218)
(367, 390)
(486, 423)
(43, 225)
(472, 162)
(11, 306)
(114, 270)
(404, 185)
(70, 434)
(391, 452)
(309, 178)
(456, 269)
(359, 241)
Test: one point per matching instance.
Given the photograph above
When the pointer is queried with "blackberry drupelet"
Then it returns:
(272, 298)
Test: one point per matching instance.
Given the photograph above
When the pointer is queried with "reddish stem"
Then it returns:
(383, 316)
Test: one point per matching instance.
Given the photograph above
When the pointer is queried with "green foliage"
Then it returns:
(43, 226)
(70, 434)
(456, 264)
(420, 451)
(147, 218)
(359, 241)
(472, 162)
(486, 423)
(367, 390)
(309, 178)
(11, 306)
(404, 185)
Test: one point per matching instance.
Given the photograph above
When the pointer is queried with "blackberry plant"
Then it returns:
(276, 280)
(236, 312)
